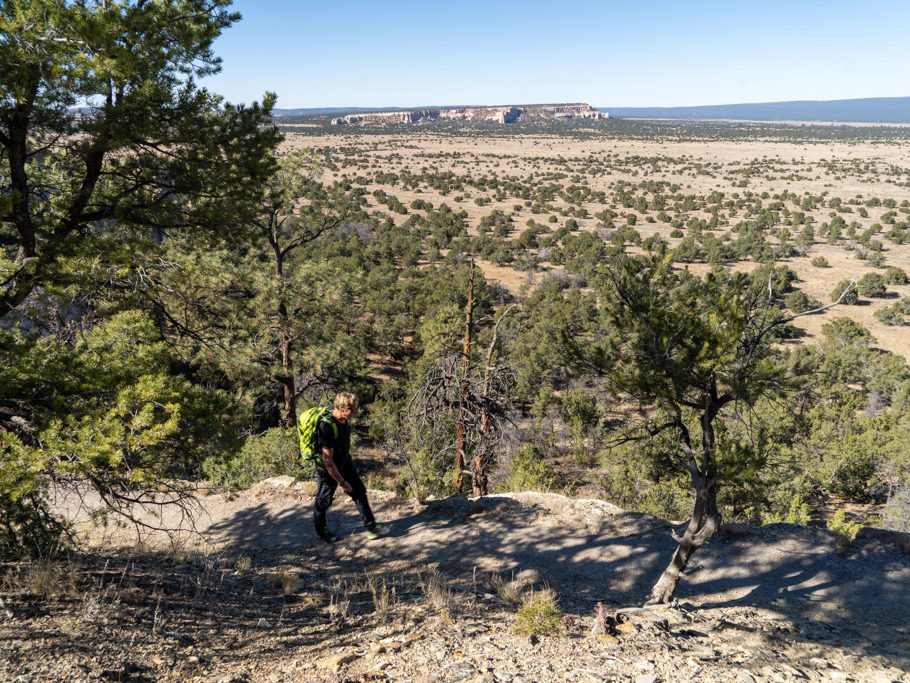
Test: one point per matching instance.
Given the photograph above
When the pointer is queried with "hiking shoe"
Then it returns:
(377, 531)
(327, 536)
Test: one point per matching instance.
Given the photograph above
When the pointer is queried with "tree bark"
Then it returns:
(702, 525)
(287, 364)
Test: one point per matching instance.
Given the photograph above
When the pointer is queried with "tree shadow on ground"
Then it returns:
(587, 555)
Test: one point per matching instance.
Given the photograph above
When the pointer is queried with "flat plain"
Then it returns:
(664, 180)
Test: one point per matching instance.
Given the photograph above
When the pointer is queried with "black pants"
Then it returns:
(325, 493)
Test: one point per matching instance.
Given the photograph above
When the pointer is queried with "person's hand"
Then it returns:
(346, 487)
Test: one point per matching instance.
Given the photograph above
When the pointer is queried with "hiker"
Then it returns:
(333, 443)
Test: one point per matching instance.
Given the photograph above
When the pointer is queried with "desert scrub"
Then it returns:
(528, 471)
(797, 513)
(842, 526)
(274, 453)
(539, 615)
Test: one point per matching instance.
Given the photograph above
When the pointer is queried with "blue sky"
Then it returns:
(342, 53)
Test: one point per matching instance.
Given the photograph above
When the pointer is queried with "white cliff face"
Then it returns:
(500, 115)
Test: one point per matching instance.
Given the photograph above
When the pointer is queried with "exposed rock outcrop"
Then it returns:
(500, 115)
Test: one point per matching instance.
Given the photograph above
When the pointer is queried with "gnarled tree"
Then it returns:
(693, 355)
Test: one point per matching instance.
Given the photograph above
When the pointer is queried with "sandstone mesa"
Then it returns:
(500, 115)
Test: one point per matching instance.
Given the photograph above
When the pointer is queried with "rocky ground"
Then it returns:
(245, 592)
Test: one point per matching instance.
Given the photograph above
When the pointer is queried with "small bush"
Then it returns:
(539, 615)
(436, 591)
(896, 314)
(528, 471)
(799, 302)
(423, 476)
(896, 276)
(271, 454)
(851, 298)
(509, 591)
(820, 262)
(842, 526)
(797, 513)
(872, 285)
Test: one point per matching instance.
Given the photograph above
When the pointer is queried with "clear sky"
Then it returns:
(403, 53)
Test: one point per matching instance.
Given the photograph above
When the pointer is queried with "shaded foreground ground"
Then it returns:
(252, 595)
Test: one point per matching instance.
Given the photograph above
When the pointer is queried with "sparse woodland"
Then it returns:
(631, 311)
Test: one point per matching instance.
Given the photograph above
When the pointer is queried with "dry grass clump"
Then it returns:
(384, 596)
(340, 603)
(43, 577)
(436, 591)
(287, 581)
(509, 591)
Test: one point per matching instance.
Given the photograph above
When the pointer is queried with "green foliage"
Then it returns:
(851, 298)
(271, 454)
(797, 512)
(106, 409)
(896, 276)
(642, 475)
(578, 409)
(871, 285)
(821, 262)
(87, 389)
(799, 302)
(81, 179)
(538, 616)
(897, 511)
(26, 525)
(846, 332)
(528, 471)
(426, 475)
(841, 525)
(895, 314)
(555, 318)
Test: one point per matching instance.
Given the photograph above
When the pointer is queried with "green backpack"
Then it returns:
(306, 430)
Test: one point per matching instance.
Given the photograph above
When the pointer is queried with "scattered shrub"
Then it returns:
(841, 525)
(871, 285)
(896, 276)
(528, 471)
(798, 302)
(851, 298)
(896, 515)
(271, 454)
(797, 513)
(539, 615)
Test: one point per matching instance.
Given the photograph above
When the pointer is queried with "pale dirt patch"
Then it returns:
(251, 595)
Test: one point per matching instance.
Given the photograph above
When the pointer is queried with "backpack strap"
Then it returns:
(327, 417)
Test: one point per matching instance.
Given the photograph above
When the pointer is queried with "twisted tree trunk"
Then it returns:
(704, 522)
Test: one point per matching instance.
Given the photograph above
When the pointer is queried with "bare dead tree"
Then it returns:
(454, 408)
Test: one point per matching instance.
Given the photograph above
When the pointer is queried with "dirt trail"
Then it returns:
(588, 550)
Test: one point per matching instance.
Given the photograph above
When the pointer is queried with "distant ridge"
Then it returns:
(322, 111)
(866, 110)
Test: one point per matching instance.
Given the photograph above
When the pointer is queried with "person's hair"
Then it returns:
(346, 401)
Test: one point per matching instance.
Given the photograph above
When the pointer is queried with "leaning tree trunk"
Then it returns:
(704, 522)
